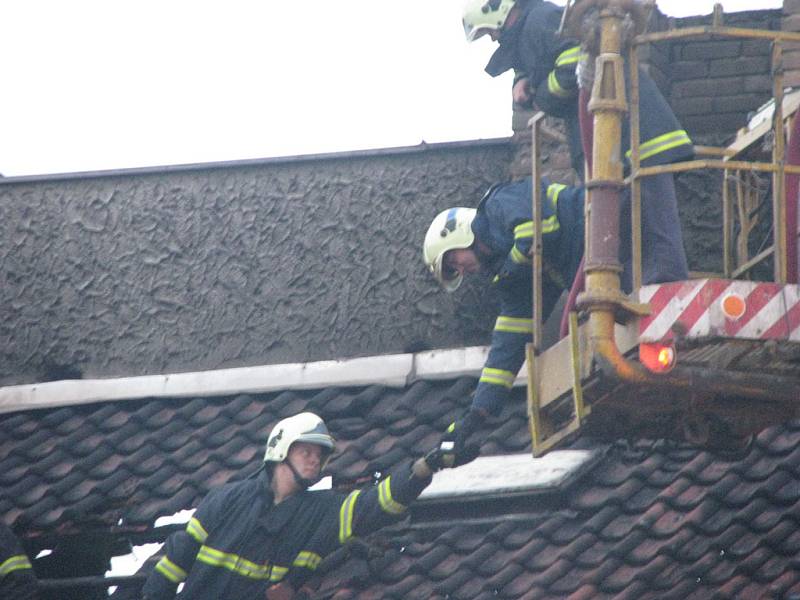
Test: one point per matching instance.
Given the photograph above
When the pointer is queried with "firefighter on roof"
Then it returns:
(268, 534)
(17, 579)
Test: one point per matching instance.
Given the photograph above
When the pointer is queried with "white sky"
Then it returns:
(105, 84)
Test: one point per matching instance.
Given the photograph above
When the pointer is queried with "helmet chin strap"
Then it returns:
(303, 482)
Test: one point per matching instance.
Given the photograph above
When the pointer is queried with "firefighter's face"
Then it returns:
(306, 459)
(460, 261)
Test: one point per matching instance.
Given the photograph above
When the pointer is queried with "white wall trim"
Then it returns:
(394, 370)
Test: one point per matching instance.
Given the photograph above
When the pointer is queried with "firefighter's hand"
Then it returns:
(453, 449)
(521, 93)
(280, 591)
(584, 72)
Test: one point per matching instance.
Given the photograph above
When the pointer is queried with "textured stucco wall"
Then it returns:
(277, 261)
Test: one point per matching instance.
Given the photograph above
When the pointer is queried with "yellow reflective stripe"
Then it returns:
(278, 573)
(170, 570)
(346, 517)
(554, 87)
(662, 143)
(569, 57)
(15, 563)
(518, 257)
(497, 377)
(525, 230)
(550, 224)
(513, 325)
(385, 498)
(233, 562)
(196, 530)
(307, 559)
(553, 190)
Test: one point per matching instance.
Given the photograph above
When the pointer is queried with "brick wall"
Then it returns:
(712, 84)
(716, 82)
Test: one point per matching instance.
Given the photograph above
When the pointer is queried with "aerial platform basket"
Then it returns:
(711, 360)
(733, 368)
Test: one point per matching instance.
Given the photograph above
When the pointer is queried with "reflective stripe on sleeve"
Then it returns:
(570, 56)
(553, 190)
(346, 517)
(278, 573)
(497, 377)
(662, 143)
(513, 325)
(385, 498)
(233, 562)
(307, 559)
(195, 529)
(170, 570)
(554, 87)
(15, 563)
(525, 230)
(518, 257)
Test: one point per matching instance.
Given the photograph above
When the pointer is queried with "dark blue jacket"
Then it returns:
(503, 224)
(533, 50)
(17, 579)
(238, 542)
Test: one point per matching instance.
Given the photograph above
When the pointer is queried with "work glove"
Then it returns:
(453, 449)
(584, 71)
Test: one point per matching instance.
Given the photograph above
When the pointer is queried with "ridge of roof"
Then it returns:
(391, 370)
(421, 148)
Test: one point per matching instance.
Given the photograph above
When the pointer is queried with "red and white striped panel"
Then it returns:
(721, 308)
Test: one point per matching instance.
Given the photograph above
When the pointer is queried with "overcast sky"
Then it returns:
(106, 84)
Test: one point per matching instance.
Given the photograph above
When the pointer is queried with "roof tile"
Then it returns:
(648, 520)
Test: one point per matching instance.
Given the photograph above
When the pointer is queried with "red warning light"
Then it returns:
(658, 358)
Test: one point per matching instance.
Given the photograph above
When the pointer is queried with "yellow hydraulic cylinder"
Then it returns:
(603, 297)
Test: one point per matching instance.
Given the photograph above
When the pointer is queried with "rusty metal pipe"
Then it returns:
(603, 298)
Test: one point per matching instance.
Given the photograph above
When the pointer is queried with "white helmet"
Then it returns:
(303, 427)
(450, 230)
(481, 16)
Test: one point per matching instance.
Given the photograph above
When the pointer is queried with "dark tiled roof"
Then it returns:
(648, 520)
(139, 459)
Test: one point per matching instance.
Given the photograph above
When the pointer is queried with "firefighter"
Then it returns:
(17, 579)
(496, 239)
(547, 76)
(267, 534)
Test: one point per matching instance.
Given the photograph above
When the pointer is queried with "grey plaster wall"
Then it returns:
(239, 264)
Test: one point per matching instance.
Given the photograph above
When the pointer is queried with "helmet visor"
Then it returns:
(472, 33)
(446, 275)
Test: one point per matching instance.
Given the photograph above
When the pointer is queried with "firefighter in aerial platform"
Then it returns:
(265, 536)
(549, 71)
(495, 239)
